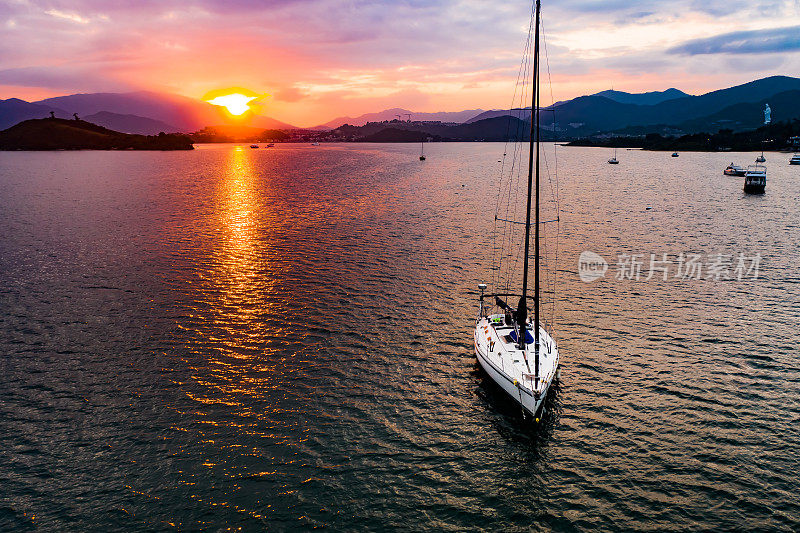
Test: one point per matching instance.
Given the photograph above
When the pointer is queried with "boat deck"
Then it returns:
(512, 368)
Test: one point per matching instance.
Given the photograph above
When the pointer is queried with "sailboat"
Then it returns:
(519, 354)
(761, 158)
(613, 160)
(422, 151)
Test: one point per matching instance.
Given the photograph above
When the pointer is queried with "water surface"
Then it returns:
(281, 339)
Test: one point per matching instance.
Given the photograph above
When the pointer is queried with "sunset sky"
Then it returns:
(319, 59)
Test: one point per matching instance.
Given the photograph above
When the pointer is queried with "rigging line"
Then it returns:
(514, 180)
(557, 183)
(511, 184)
(557, 193)
(515, 171)
(497, 259)
(522, 68)
(553, 189)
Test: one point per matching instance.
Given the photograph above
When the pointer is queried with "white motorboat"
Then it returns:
(516, 351)
(755, 179)
(795, 160)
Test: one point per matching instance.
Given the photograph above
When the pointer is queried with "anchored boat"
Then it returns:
(734, 170)
(755, 179)
(516, 350)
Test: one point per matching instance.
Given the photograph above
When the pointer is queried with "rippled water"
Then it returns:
(282, 339)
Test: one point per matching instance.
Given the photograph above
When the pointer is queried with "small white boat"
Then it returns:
(315, 144)
(271, 145)
(734, 170)
(613, 160)
(674, 154)
(253, 146)
(761, 158)
(755, 179)
(795, 160)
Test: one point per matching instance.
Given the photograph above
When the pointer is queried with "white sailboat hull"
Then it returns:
(507, 365)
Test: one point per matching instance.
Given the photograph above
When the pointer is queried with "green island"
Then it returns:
(76, 134)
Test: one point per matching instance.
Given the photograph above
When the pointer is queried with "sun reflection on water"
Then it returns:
(230, 339)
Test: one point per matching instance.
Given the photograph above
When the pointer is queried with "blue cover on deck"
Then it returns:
(528, 336)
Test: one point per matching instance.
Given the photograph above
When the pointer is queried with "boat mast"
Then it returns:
(533, 169)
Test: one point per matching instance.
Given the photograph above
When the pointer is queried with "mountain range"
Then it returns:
(404, 114)
(670, 112)
(739, 107)
(141, 112)
(608, 112)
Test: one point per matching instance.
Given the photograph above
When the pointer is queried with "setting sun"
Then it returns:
(235, 103)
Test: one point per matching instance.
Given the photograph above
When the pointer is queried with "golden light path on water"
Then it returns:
(235, 369)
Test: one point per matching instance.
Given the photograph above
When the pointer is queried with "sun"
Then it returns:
(235, 103)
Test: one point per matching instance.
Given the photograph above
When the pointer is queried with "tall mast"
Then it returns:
(532, 156)
(536, 241)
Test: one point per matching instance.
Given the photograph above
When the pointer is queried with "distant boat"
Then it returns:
(271, 145)
(674, 154)
(734, 170)
(613, 160)
(422, 150)
(315, 144)
(253, 146)
(761, 158)
(795, 160)
(755, 179)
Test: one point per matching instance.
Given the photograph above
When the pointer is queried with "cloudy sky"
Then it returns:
(318, 59)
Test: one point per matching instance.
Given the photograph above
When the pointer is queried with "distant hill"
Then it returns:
(747, 115)
(771, 137)
(14, 110)
(491, 129)
(650, 98)
(394, 135)
(229, 134)
(610, 111)
(522, 113)
(186, 114)
(260, 121)
(62, 134)
(592, 114)
(391, 114)
(130, 123)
